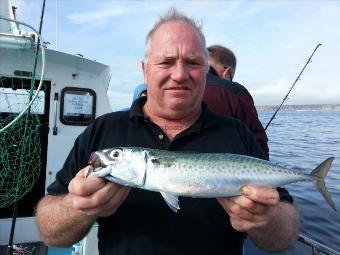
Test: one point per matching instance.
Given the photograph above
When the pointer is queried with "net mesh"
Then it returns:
(19, 159)
(20, 147)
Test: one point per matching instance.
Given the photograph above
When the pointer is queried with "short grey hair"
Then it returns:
(173, 15)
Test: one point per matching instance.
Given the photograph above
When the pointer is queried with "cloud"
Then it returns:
(106, 10)
(25, 9)
(119, 100)
(85, 17)
(272, 40)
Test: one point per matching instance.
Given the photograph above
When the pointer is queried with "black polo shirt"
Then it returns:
(144, 224)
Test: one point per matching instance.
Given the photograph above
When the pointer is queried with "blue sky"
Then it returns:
(271, 39)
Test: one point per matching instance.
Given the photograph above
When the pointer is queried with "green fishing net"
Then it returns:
(19, 157)
(20, 149)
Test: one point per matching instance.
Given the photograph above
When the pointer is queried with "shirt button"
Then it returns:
(160, 136)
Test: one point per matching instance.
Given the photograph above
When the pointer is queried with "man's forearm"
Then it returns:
(59, 224)
(281, 233)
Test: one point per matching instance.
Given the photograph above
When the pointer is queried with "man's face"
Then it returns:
(175, 73)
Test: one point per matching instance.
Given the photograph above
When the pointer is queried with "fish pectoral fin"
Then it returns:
(164, 162)
(171, 200)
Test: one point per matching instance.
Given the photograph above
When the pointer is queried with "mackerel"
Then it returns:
(192, 174)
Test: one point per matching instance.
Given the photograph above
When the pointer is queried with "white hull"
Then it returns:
(26, 230)
(61, 70)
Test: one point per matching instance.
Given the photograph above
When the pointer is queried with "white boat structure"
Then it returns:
(74, 93)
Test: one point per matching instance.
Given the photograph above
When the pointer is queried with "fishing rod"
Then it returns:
(298, 78)
(10, 246)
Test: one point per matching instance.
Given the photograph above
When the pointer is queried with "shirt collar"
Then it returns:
(136, 109)
(212, 70)
(207, 119)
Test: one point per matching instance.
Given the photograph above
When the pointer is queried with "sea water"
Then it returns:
(301, 141)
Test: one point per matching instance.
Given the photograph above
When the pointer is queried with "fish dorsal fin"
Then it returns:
(163, 161)
(171, 200)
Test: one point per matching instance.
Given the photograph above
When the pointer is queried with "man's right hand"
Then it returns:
(65, 219)
(95, 196)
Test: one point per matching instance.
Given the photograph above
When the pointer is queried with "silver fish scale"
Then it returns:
(212, 175)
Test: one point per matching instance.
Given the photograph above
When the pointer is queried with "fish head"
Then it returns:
(122, 165)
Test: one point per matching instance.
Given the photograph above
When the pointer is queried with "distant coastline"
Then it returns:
(296, 108)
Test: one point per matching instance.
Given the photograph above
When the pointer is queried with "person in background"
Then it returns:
(140, 91)
(171, 117)
(229, 98)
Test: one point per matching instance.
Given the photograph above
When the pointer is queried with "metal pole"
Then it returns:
(11, 237)
(316, 246)
(56, 24)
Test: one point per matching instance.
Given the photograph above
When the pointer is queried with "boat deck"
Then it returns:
(39, 249)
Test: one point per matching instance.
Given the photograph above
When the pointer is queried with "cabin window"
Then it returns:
(15, 95)
(78, 106)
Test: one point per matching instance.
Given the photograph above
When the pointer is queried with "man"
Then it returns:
(229, 98)
(171, 117)
(225, 97)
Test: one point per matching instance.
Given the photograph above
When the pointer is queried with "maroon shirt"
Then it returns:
(232, 99)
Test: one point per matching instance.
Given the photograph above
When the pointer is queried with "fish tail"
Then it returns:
(320, 173)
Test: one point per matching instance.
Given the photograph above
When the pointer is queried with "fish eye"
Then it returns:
(115, 154)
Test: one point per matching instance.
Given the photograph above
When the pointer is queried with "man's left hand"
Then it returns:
(254, 208)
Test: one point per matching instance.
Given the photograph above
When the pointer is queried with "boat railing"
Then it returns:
(317, 247)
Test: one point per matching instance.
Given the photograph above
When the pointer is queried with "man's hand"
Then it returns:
(272, 225)
(95, 196)
(65, 219)
(254, 208)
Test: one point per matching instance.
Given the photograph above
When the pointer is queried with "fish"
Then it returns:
(192, 174)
